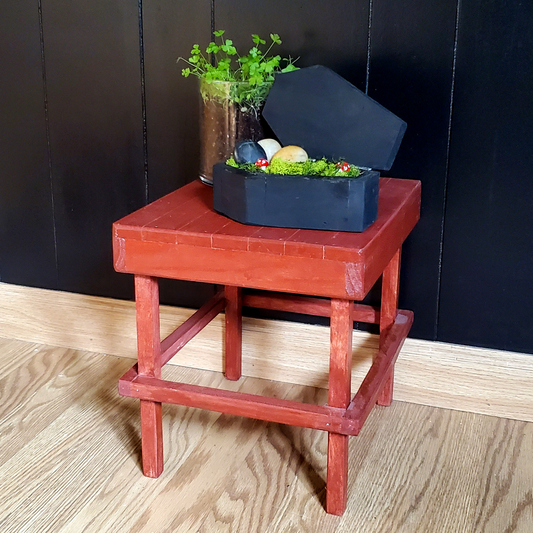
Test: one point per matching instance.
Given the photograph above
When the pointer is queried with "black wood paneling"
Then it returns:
(334, 34)
(488, 243)
(412, 46)
(170, 29)
(172, 102)
(94, 96)
(123, 130)
(27, 250)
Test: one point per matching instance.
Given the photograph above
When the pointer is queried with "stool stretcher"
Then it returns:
(345, 421)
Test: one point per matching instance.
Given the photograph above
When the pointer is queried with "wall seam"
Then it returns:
(369, 43)
(47, 133)
(143, 103)
(446, 172)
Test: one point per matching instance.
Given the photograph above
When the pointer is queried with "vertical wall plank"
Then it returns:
(412, 45)
(488, 260)
(172, 102)
(27, 250)
(333, 34)
(94, 94)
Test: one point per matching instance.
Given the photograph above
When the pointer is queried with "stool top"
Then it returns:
(184, 222)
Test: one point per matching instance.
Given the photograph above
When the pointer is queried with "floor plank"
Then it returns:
(262, 487)
(70, 461)
(14, 353)
(40, 389)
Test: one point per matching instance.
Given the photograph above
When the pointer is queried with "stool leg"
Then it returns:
(149, 364)
(389, 309)
(233, 332)
(340, 370)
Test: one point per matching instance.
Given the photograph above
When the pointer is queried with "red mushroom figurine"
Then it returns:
(343, 166)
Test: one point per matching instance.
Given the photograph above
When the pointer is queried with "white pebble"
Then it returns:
(270, 146)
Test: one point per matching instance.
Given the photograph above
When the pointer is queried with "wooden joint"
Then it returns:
(321, 417)
(362, 403)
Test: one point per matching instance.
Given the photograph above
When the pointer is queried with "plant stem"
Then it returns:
(269, 48)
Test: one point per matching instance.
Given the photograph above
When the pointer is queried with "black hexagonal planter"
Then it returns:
(327, 116)
(307, 202)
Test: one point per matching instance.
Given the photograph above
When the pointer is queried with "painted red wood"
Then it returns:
(343, 421)
(192, 242)
(307, 306)
(148, 341)
(288, 303)
(191, 327)
(237, 403)
(372, 385)
(149, 364)
(181, 237)
(339, 394)
(241, 268)
(152, 438)
(337, 474)
(340, 358)
(389, 308)
(233, 336)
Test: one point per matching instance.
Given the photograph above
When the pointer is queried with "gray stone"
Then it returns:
(248, 152)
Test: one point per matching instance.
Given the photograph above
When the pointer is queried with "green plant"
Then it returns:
(222, 63)
(319, 168)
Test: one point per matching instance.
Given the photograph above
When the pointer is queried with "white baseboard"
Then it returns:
(490, 382)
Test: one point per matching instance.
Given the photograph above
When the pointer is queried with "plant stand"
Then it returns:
(181, 237)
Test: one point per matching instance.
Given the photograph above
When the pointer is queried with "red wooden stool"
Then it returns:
(181, 237)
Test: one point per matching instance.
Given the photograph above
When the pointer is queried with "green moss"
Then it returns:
(232, 163)
(249, 167)
(320, 167)
(277, 166)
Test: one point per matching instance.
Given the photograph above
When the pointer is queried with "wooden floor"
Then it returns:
(70, 461)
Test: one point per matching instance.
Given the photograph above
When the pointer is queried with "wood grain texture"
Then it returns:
(254, 406)
(339, 395)
(412, 468)
(306, 305)
(149, 364)
(233, 333)
(376, 379)
(27, 242)
(389, 308)
(445, 375)
(13, 353)
(127, 488)
(39, 388)
(171, 344)
(255, 495)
